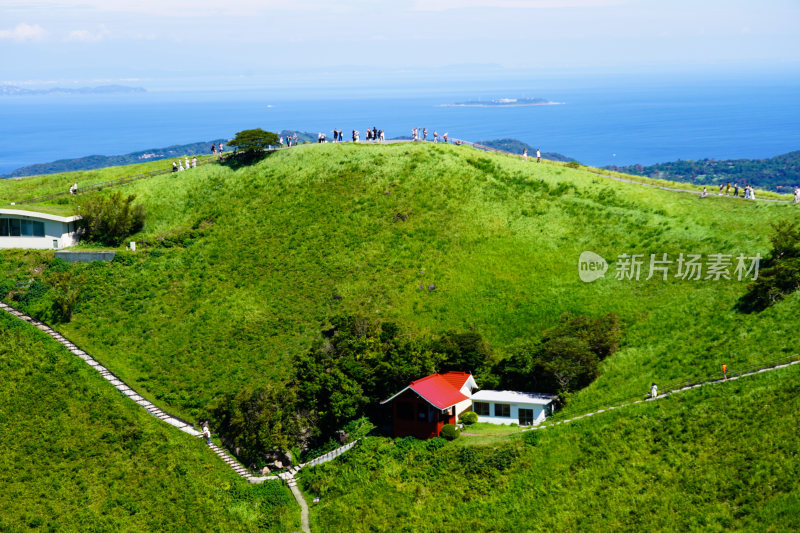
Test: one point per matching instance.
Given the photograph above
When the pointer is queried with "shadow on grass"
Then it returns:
(238, 160)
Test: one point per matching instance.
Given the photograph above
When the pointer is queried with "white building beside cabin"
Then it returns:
(512, 407)
(32, 230)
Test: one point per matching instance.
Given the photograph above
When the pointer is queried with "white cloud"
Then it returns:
(85, 36)
(24, 32)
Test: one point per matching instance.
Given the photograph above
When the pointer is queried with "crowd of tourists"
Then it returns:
(180, 166)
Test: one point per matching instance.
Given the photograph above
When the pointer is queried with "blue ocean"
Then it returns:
(596, 123)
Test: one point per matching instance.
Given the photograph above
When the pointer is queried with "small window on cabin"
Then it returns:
(27, 228)
(422, 412)
(14, 229)
(481, 408)
(38, 229)
(405, 411)
(502, 409)
(3, 227)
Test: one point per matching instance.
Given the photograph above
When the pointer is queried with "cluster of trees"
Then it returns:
(779, 173)
(779, 272)
(567, 357)
(358, 362)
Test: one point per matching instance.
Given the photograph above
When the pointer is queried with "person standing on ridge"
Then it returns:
(538, 156)
(525, 154)
(653, 390)
(725, 372)
(425, 134)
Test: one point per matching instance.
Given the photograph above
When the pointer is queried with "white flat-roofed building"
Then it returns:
(33, 230)
(512, 407)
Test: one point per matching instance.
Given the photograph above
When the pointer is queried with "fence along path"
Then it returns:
(783, 364)
(132, 394)
(109, 184)
(158, 413)
(288, 477)
(136, 177)
(618, 178)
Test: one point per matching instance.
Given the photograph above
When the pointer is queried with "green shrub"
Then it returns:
(450, 431)
(573, 164)
(468, 418)
(109, 219)
(531, 438)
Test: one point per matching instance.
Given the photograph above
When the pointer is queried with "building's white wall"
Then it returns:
(463, 406)
(53, 231)
(539, 414)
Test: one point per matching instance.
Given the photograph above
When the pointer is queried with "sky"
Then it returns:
(162, 43)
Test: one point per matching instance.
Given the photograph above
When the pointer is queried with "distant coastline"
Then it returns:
(13, 90)
(503, 102)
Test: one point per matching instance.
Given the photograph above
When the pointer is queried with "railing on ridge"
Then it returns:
(678, 384)
(107, 184)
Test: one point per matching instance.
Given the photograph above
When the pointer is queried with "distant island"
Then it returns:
(13, 90)
(503, 102)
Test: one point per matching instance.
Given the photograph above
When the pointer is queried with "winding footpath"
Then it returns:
(287, 477)
(618, 178)
(669, 392)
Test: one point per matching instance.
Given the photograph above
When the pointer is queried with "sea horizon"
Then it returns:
(597, 122)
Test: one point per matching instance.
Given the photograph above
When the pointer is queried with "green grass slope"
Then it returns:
(721, 458)
(78, 456)
(237, 269)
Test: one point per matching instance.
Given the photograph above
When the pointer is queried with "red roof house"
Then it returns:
(425, 405)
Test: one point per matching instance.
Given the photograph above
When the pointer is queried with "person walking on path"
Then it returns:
(207, 433)
(653, 390)
(736, 189)
(435, 137)
(725, 372)
(538, 156)
(797, 195)
(704, 193)
(525, 154)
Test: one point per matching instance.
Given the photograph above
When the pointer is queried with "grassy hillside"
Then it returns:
(76, 455)
(237, 270)
(720, 458)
